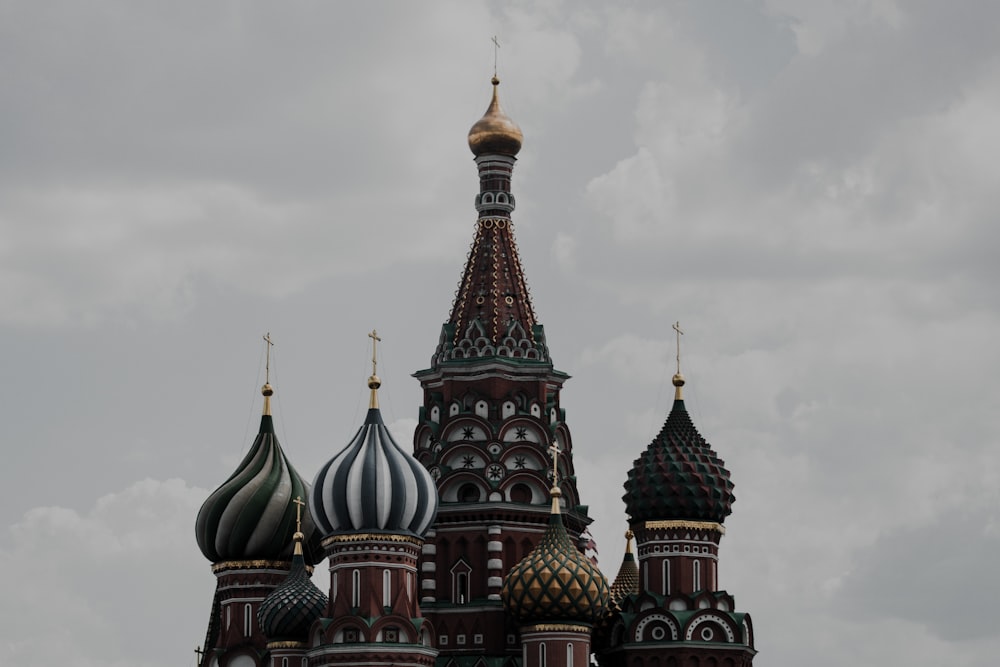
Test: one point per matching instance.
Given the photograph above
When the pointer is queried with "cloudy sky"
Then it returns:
(811, 188)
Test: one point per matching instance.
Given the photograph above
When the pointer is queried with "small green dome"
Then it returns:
(290, 609)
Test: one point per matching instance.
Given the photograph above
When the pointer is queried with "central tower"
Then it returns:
(490, 414)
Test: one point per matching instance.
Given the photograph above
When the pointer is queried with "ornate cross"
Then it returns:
(677, 328)
(555, 451)
(496, 49)
(299, 504)
(267, 366)
(375, 341)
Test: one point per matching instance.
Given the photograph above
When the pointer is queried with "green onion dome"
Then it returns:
(252, 515)
(495, 133)
(555, 582)
(290, 609)
(679, 476)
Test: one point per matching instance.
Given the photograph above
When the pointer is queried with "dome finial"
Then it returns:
(629, 535)
(678, 378)
(267, 390)
(555, 491)
(298, 536)
(373, 381)
(496, 52)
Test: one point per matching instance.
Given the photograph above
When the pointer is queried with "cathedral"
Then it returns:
(471, 549)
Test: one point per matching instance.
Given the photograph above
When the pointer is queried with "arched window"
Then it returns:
(645, 576)
(247, 615)
(386, 588)
(336, 580)
(462, 584)
(666, 577)
(697, 575)
(541, 654)
(520, 493)
(356, 588)
(229, 616)
(284, 662)
(468, 493)
(569, 654)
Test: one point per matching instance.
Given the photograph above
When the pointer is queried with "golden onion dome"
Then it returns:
(555, 582)
(495, 132)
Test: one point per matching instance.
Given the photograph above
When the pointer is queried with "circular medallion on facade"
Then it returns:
(435, 473)
(495, 472)
(495, 448)
(707, 634)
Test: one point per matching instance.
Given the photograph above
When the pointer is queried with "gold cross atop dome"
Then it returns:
(299, 504)
(678, 378)
(496, 50)
(374, 382)
(267, 390)
(555, 491)
(298, 537)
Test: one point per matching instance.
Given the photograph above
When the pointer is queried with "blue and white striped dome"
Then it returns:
(373, 485)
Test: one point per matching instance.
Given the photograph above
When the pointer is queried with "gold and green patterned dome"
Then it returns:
(555, 582)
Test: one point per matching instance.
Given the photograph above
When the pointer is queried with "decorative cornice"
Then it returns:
(557, 627)
(283, 565)
(286, 644)
(680, 523)
(372, 537)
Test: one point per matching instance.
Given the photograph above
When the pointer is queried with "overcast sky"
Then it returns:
(811, 188)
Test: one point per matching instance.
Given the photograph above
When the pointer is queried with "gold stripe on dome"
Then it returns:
(275, 645)
(556, 627)
(371, 537)
(690, 525)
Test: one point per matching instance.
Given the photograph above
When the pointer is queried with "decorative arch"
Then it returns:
(649, 628)
(714, 620)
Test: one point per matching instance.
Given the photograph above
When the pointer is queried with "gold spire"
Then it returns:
(267, 390)
(298, 536)
(555, 491)
(678, 378)
(373, 381)
(629, 535)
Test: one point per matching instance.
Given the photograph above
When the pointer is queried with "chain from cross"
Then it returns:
(677, 328)
(375, 341)
(267, 364)
(555, 452)
(496, 49)
(299, 504)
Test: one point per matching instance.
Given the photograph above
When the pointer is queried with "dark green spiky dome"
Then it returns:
(290, 609)
(555, 582)
(679, 476)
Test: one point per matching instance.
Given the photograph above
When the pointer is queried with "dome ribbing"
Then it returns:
(252, 516)
(373, 485)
